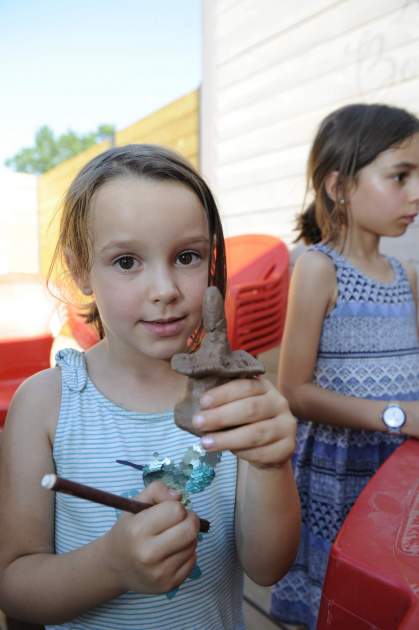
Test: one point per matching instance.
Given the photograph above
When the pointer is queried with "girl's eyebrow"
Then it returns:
(131, 244)
(405, 165)
(190, 240)
(118, 245)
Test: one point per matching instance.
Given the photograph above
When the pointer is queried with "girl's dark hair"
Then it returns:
(74, 251)
(347, 140)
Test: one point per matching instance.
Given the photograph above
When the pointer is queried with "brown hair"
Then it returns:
(73, 249)
(346, 141)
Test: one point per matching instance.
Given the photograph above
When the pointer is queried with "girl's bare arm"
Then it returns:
(35, 585)
(38, 586)
(267, 521)
(312, 294)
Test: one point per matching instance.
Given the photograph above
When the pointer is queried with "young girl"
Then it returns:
(349, 360)
(141, 234)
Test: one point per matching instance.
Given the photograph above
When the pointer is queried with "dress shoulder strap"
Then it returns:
(328, 251)
(73, 368)
(398, 268)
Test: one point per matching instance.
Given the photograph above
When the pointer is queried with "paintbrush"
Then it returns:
(80, 490)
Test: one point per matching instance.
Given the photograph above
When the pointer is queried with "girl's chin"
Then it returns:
(165, 354)
(402, 229)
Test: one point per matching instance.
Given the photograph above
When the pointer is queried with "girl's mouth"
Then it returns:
(409, 218)
(165, 327)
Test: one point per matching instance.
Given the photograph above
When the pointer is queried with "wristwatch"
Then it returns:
(393, 417)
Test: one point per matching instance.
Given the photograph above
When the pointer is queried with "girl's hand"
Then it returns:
(250, 418)
(155, 550)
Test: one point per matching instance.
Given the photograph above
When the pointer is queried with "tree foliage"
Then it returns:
(50, 150)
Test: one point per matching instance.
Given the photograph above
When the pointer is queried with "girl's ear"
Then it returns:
(84, 285)
(332, 187)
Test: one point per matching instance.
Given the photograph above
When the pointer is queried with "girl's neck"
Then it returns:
(359, 245)
(362, 250)
(145, 387)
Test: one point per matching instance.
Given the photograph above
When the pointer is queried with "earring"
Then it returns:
(87, 291)
(341, 201)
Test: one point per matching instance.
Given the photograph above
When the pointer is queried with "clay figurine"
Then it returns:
(214, 363)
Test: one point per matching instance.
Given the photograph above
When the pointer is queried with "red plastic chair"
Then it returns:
(26, 319)
(373, 571)
(257, 291)
(20, 358)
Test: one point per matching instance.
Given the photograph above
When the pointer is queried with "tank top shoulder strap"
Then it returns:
(398, 268)
(73, 369)
(328, 251)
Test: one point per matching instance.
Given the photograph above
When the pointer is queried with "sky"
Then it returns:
(76, 64)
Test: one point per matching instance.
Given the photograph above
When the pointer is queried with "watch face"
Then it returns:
(394, 417)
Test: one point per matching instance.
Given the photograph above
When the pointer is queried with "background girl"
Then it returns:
(141, 234)
(350, 347)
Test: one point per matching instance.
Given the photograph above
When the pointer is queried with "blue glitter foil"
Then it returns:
(193, 474)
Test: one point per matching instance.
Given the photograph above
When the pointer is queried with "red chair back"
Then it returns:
(257, 291)
(19, 359)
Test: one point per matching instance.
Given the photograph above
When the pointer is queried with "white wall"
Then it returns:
(19, 248)
(272, 70)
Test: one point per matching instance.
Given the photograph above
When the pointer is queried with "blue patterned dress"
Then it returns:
(368, 349)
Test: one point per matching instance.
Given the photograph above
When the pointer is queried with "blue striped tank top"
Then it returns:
(92, 433)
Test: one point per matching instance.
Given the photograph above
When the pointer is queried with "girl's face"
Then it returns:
(385, 199)
(150, 264)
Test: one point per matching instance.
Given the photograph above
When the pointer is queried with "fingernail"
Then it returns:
(206, 401)
(198, 421)
(207, 442)
(174, 493)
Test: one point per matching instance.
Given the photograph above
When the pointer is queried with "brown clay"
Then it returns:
(214, 363)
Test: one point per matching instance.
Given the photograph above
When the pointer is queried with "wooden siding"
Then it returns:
(272, 71)
(175, 126)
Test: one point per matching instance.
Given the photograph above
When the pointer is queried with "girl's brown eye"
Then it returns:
(400, 177)
(125, 262)
(186, 258)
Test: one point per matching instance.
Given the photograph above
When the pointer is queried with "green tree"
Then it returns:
(50, 150)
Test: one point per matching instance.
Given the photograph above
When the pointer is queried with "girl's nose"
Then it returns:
(414, 192)
(163, 287)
